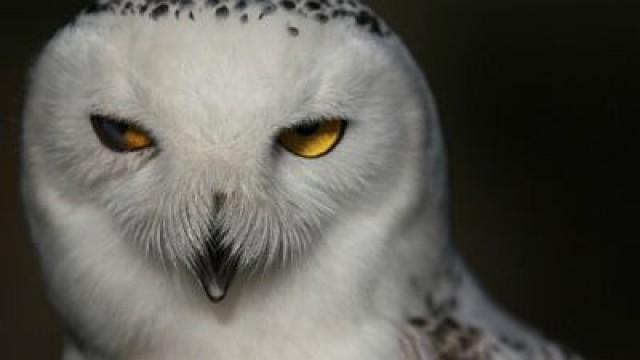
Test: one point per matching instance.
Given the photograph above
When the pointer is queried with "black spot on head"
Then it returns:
(339, 13)
(212, 3)
(293, 31)
(240, 5)
(222, 11)
(366, 19)
(268, 10)
(363, 18)
(288, 4)
(142, 9)
(323, 18)
(313, 5)
(159, 11)
(96, 8)
(376, 28)
(244, 18)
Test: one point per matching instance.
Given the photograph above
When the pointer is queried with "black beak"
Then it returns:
(216, 269)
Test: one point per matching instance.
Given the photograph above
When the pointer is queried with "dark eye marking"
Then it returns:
(120, 135)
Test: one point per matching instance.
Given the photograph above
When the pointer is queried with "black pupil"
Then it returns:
(307, 129)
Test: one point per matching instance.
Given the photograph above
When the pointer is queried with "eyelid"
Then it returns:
(129, 121)
(299, 120)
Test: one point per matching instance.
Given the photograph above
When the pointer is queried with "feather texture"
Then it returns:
(340, 255)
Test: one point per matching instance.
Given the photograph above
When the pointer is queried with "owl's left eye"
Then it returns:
(119, 135)
(313, 139)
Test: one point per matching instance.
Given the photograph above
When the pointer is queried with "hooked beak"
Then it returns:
(216, 269)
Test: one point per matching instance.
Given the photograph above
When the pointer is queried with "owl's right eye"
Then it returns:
(119, 135)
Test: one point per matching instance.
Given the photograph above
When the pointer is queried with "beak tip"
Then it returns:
(215, 269)
(215, 293)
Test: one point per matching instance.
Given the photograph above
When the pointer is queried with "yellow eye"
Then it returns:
(120, 136)
(314, 139)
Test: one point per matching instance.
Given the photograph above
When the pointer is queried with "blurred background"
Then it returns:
(537, 99)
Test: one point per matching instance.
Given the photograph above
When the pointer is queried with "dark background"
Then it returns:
(537, 99)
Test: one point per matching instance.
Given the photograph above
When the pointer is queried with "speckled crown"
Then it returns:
(322, 11)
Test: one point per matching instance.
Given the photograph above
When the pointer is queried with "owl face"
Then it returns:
(221, 139)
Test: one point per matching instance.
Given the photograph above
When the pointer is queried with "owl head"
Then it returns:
(224, 136)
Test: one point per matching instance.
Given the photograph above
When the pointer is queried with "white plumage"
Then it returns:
(156, 166)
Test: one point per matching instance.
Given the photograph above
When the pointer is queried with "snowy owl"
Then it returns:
(248, 179)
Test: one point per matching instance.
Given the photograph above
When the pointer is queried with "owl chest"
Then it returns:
(267, 340)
